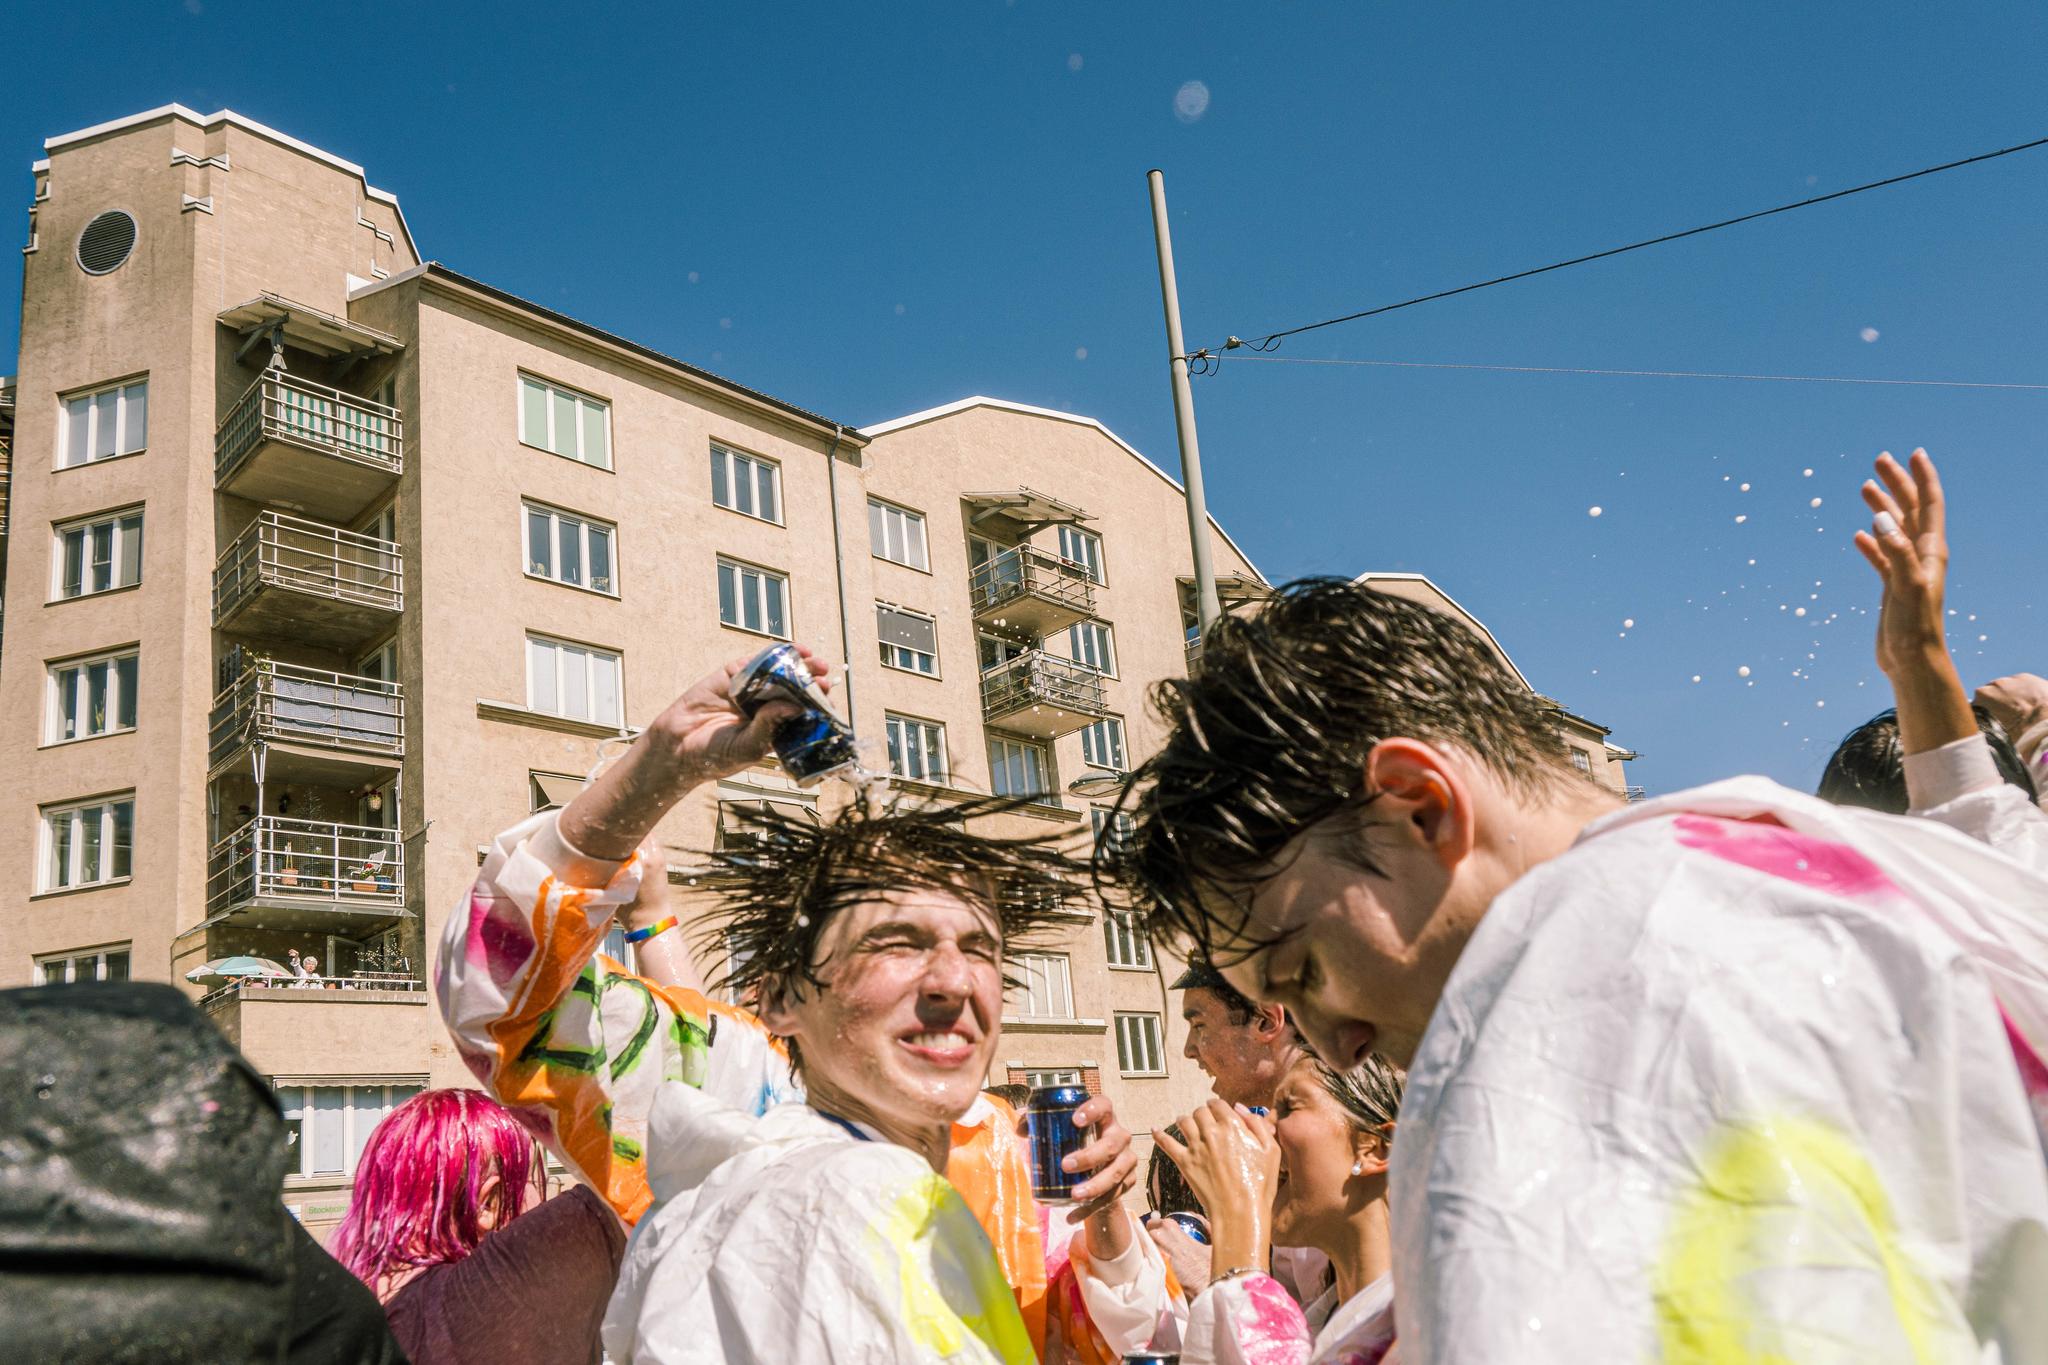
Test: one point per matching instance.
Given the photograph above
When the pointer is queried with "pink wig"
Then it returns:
(418, 1196)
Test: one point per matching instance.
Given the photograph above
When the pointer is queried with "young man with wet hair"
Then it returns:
(1732, 1074)
(874, 944)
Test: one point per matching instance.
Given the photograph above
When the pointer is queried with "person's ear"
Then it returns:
(1371, 1152)
(1269, 1022)
(775, 1013)
(1425, 796)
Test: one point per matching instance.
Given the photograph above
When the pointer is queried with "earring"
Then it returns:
(1358, 1168)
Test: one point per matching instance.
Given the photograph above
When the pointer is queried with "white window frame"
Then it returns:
(545, 440)
(1001, 749)
(929, 748)
(758, 591)
(1135, 1042)
(1099, 654)
(561, 522)
(733, 461)
(1100, 818)
(1581, 760)
(75, 814)
(890, 526)
(1043, 1077)
(903, 658)
(1097, 750)
(1048, 981)
(296, 1100)
(71, 961)
(563, 650)
(1124, 942)
(117, 552)
(1072, 538)
(53, 692)
(131, 396)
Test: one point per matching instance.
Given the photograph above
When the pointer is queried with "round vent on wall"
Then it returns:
(106, 242)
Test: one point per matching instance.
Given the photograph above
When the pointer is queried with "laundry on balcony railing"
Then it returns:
(286, 702)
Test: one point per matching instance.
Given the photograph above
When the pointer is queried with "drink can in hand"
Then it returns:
(812, 745)
(1192, 1226)
(1053, 1135)
(1152, 1358)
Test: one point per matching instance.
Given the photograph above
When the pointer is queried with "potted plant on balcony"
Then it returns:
(288, 864)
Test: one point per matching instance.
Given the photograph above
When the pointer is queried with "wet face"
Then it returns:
(1358, 957)
(1318, 1147)
(1238, 1061)
(911, 1010)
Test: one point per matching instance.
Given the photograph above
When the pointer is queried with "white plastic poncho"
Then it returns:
(1742, 1076)
(788, 1239)
(1253, 1320)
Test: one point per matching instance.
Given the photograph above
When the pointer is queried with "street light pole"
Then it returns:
(1207, 605)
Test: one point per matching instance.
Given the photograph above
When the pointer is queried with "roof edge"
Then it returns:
(1079, 419)
(492, 294)
(246, 124)
(1463, 610)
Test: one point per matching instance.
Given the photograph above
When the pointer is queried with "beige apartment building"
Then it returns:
(327, 563)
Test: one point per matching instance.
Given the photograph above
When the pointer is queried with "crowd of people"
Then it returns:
(1505, 1069)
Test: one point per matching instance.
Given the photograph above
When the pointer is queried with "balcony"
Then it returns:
(320, 727)
(1030, 593)
(1037, 695)
(314, 583)
(318, 450)
(308, 875)
(349, 1025)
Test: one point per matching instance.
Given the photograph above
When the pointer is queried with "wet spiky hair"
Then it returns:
(775, 896)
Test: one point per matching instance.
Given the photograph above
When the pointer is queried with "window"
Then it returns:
(746, 483)
(573, 681)
(753, 599)
(568, 423)
(1043, 1080)
(1089, 645)
(1102, 744)
(1017, 769)
(327, 1126)
(91, 697)
(550, 791)
(99, 426)
(910, 640)
(1111, 828)
(1043, 990)
(1138, 1052)
(917, 749)
(995, 651)
(102, 964)
(897, 535)
(97, 555)
(87, 844)
(1083, 548)
(1582, 760)
(1126, 942)
(569, 549)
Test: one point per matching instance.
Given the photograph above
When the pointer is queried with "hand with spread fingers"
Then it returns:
(1114, 1173)
(1908, 546)
(1232, 1162)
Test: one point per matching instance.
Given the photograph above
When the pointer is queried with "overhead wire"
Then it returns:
(1214, 360)
(1270, 340)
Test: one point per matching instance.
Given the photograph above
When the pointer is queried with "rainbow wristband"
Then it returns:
(660, 926)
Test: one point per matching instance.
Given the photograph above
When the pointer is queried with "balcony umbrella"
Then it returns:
(241, 965)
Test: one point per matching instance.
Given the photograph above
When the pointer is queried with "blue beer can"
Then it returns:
(811, 746)
(1050, 1128)
(1192, 1226)
(1152, 1358)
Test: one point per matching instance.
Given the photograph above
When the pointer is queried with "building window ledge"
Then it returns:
(87, 739)
(1148, 971)
(80, 890)
(610, 595)
(1017, 1025)
(512, 714)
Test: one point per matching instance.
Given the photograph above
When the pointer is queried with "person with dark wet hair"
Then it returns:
(1654, 1049)
(874, 943)
(1868, 768)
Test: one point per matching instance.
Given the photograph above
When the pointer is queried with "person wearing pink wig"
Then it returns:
(450, 1227)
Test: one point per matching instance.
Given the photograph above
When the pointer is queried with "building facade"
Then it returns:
(324, 563)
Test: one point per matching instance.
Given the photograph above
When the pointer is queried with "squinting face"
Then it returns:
(1317, 1152)
(1238, 1066)
(1358, 958)
(912, 1006)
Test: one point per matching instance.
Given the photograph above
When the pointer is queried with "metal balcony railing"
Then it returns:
(273, 859)
(282, 407)
(274, 701)
(353, 987)
(1037, 679)
(1023, 571)
(311, 558)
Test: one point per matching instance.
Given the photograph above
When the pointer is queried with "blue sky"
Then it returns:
(871, 209)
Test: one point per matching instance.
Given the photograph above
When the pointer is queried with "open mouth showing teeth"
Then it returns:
(938, 1042)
